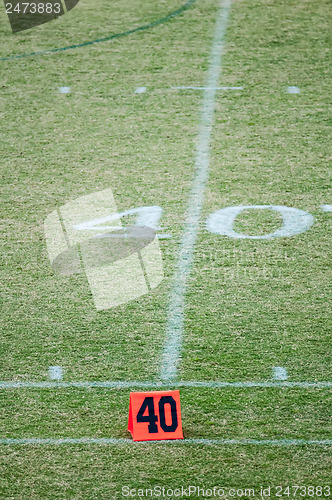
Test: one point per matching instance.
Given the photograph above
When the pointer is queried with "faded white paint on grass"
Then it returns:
(279, 373)
(164, 236)
(140, 90)
(292, 89)
(64, 90)
(55, 373)
(175, 319)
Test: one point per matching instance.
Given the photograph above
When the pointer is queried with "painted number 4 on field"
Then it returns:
(155, 415)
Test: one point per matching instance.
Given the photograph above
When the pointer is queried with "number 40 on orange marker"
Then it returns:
(155, 415)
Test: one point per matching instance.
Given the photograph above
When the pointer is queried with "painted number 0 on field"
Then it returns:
(295, 221)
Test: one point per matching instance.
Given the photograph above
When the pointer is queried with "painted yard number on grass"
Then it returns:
(295, 221)
(123, 263)
(155, 415)
(145, 216)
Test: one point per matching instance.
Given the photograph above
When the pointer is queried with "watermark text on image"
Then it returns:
(227, 492)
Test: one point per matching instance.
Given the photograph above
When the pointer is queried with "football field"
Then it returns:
(208, 122)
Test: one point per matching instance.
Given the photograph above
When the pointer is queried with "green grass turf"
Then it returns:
(251, 304)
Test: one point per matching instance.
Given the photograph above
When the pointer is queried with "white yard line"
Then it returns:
(175, 319)
(132, 384)
(208, 88)
(206, 442)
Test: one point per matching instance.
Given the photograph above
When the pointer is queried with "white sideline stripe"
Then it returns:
(175, 319)
(208, 442)
(130, 384)
(209, 88)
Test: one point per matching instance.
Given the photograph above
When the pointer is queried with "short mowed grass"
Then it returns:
(250, 305)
